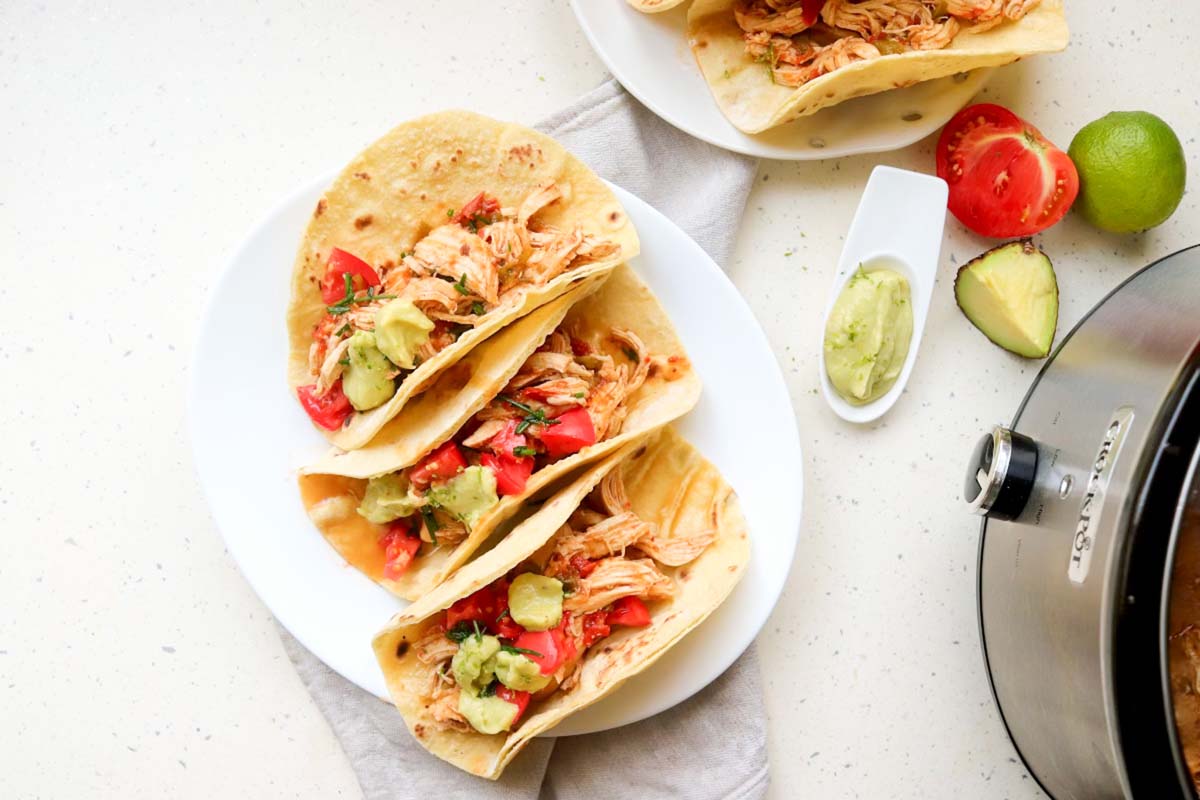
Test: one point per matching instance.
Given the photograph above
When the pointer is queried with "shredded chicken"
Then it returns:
(936, 36)
(552, 252)
(607, 538)
(771, 16)
(774, 31)
(443, 707)
(331, 368)
(612, 493)
(484, 432)
(433, 647)
(454, 252)
(874, 18)
(614, 578)
(536, 202)
(507, 241)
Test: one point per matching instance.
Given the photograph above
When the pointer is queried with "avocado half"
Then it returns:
(1011, 294)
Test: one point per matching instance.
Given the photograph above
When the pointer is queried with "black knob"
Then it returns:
(1000, 474)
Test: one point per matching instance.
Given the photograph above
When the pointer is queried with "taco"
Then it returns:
(590, 590)
(433, 238)
(420, 501)
(768, 62)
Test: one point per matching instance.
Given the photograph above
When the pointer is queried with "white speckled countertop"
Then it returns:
(139, 144)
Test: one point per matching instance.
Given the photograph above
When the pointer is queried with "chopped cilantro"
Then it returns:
(461, 285)
(431, 524)
(520, 451)
(489, 690)
(477, 308)
(533, 416)
(460, 631)
(630, 353)
(508, 648)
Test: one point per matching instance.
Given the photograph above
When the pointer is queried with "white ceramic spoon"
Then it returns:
(898, 226)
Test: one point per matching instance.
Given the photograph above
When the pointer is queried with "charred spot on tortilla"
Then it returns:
(321, 204)
(363, 221)
(401, 649)
(362, 176)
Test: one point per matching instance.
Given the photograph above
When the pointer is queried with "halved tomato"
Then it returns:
(1005, 178)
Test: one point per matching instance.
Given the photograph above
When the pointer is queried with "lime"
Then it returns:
(1131, 171)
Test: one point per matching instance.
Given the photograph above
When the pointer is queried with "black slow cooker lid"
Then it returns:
(1144, 716)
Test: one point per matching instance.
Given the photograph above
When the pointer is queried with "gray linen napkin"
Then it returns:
(712, 747)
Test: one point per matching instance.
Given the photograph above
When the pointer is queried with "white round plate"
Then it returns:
(649, 55)
(249, 435)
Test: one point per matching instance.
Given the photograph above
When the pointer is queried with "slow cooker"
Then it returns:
(1090, 497)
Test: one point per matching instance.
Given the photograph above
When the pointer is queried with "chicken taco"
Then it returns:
(589, 591)
(516, 415)
(768, 62)
(435, 237)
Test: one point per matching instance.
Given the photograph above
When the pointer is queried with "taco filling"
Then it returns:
(525, 636)
(381, 324)
(802, 40)
(568, 394)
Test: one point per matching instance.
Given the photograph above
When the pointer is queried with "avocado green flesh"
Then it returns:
(1011, 295)
(867, 335)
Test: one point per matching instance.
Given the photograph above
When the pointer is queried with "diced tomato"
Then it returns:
(482, 606)
(481, 205)
(573, 432)
(549, 648)
(329, 410)
(506, 627)
(511, 472)
(595, 628)
(400, 545)
(440, 465)
(507, 439)
(582, 565)
(518, 699)
(341, 263)
(810, 11)
(629, 611)
(580, 348)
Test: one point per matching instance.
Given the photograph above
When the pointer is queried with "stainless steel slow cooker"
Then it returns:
(1085, 496)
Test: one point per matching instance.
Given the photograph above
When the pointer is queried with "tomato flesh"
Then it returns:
(440, 465)
(341, 263)
(518, 699)
(573, 432)
(629, 611)
(550, 649)
(512, 473)
(400, 546)
(482, 606)
(329, 410)
(479, 209)
(1005, 178)
(595, 628)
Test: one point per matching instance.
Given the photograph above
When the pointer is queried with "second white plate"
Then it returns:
(649, 55)
(249, 436)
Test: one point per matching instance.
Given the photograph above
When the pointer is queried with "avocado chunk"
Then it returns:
(473, 665)
(400, 330)
(468, 495)
(519, 672)
(1010, 293)
(535, 601)
(367, 379)
(488, 714)
(387, 498)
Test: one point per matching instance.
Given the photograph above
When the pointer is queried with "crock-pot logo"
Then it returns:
(1093, 499)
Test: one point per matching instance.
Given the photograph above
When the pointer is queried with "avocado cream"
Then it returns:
(868, 334)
